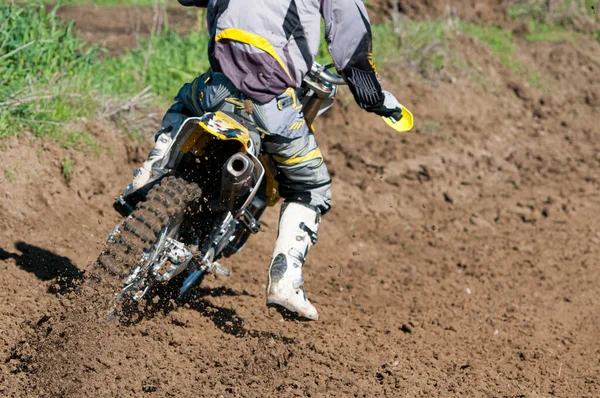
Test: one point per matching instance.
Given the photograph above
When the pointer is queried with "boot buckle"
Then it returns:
(311, 234)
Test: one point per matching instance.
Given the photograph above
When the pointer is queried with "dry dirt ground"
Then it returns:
(458, 260)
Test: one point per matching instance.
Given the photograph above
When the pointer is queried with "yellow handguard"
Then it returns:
(403, 125)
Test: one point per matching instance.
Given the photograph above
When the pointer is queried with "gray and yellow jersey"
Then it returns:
(267, 46)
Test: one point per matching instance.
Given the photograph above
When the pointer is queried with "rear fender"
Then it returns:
(195, 132)
(185, 132)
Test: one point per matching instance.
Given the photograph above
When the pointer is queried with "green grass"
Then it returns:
(500, 41)
(535, 79)
(165, 63)
(418, 45)
(567, 20)
(37, 52)
(67, 168)
(550, 33)
(39, 152)
(431, 126)
(591, 6)
(562, 13)
(49, 77)
(561, 23)
(502, 45)
(10, 175)
(535, 10)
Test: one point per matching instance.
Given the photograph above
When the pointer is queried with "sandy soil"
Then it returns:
(458, 260)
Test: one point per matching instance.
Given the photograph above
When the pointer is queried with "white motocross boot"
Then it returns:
(152, 168)
(298, 226)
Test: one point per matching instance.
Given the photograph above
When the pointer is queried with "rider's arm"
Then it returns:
(348, 33)
(194, 3)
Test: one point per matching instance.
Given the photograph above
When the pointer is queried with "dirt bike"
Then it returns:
(217, 186)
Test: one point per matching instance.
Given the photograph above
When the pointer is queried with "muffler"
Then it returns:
(236, 180)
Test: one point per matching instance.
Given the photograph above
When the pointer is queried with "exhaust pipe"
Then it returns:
(236, 180)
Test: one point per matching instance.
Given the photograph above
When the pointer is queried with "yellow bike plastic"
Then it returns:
(403, 125)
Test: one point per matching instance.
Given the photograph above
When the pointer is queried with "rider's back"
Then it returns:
(264, 46)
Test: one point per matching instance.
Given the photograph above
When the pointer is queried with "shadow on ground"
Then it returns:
(163, 301)
(46, 266)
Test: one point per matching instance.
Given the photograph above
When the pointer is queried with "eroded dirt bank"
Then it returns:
(458, 260)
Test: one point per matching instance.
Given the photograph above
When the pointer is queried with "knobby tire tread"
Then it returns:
(143, 227)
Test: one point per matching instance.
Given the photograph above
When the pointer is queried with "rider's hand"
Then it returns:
(390, 107)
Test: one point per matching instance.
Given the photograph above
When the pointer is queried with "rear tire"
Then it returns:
(170, 198)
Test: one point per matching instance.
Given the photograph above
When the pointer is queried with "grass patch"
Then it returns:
(566, 13)
(534, 78)
(76, 139)
(165, 62)
(480, 80)
(49, 77)
(37, 52)
(431, 126)
(39, 152)
(502, 45)
(67, 168)
(500, 41)
(420, 46)
(10, 175)
(553, 33)
(565, 20)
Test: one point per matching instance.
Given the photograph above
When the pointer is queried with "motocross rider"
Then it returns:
(261, 50)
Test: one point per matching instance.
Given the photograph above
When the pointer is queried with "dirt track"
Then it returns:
(458, 260)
